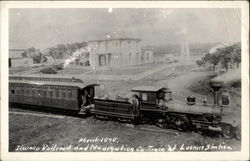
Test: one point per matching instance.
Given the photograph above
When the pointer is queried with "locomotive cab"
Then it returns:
(153, 98)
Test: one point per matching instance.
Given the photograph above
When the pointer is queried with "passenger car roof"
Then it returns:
(60, 81)
(148, 88)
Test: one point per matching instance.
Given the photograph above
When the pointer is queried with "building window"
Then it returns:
(137, 55)
(44, 94)
(144, 97)
(130, 56)
(148, 56)
(12, 91)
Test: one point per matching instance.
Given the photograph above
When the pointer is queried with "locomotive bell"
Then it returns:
(216, 86)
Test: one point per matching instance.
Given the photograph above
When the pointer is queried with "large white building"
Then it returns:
(115, 52)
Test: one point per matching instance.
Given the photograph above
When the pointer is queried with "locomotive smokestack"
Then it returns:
(216, 85)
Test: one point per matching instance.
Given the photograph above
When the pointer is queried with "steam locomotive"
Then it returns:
(144, 103)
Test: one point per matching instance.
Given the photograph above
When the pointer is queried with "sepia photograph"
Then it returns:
(125, 79)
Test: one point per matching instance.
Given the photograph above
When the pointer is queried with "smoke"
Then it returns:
(75, 55)
(230, 76)
(68, 61)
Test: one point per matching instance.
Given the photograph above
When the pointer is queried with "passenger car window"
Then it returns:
(33, 92)
(69, 93)
(28, 91)
(63, 94)
(57, 93)
(22, 91)
(38, 93)
(51, 93)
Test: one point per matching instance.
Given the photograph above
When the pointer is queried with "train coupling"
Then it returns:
(85, 109)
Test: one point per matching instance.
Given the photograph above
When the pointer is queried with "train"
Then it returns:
(152, 103)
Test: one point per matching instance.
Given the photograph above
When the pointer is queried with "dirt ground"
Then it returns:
(32, 133)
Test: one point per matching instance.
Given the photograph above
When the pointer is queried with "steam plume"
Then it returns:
(231, 75)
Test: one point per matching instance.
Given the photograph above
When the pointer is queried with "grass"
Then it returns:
(14, 70)
(71, 71)
(68, 131)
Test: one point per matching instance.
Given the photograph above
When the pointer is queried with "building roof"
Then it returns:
(148, 88)
(112, 39)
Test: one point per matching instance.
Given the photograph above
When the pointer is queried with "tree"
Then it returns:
(225, 60)
(37, 58)
(237, 54)
(44, 59)
(32, 49)
(226, 56)
(206, 58)
(200, 63)
(49, 70)
(24, 54)
(61, 47)
(214, 59)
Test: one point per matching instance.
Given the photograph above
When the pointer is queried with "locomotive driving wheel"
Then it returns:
(201, 120)
(181, 123)
(227, 131)
(163, 122)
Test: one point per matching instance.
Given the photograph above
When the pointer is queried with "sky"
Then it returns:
(43, 28)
